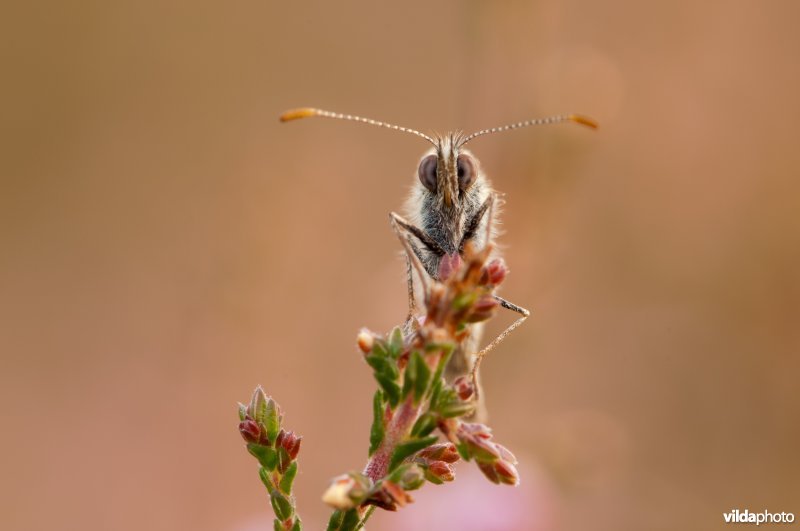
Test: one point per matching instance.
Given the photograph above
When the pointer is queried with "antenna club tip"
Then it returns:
(583, 120)
(296, 114)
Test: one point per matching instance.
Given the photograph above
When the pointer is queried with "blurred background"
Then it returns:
(167, 245)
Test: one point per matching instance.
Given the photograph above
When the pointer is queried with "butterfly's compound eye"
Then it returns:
(466, 172)
(427, 172)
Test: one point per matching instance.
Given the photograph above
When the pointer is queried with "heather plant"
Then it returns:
(422, 425)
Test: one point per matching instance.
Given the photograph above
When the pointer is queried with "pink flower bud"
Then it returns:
(482, 449)
(477, 438)
(440, 452)
(483, 309)
(249, 430)
(441, 471)
(289, 442)
(505, 454)
(464, 388)
(480, 430)
(506, 472)
(489, 471)
(494, 273)
(486, 304)
(397, 494)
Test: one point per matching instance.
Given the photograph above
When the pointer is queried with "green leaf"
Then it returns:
(442, 395)
(464, 300)
(410, 376)
(378, 363)
(344, 521)
(259, 409)
(463, 451)
(395, 475)
(272, 420)
(437, 375)
(379, 349)
(449, 405)
(422, 378)
(390, 389)
(384, 366)
(263, 473)
(436, 390)
(447, 354)
(335, 521)
(242, 412)
(367, 514)
(288, 477)
(408, 448)
(396, 342)
(277, 525)
(351, 520)
(298, 525)
(281, 505)
(377, 432)
(425, 424)
(267, 457)
(459, 409)
(283, 459)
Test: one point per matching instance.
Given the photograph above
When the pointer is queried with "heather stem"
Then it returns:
(399, 427)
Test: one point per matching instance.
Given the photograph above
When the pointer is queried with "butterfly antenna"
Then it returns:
(575, 118)
(307, 112)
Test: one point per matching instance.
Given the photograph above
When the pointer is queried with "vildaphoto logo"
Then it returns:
(746, 517)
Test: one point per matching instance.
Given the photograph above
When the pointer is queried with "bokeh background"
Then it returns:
(166, 245)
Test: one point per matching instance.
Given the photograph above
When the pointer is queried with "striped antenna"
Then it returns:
(576, 118)
(307, 112)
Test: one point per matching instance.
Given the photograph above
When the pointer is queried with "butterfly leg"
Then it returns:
(404, 234)
(496, 341)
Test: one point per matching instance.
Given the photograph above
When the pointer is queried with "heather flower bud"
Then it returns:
(440, 452)
(482, 450)
(505, 454)
(365, 341)
(494, 273)
(250, 430)
(464, 387)
(438, 472)
(289, 442)
(483, 309)
(485, 304)
(480, 430)
(396, 493)
(346, 491)
(489, 471)
(381, 499)
(266, 413)
(506, 472)
(476, 438)
(413, 478)
(257, 404)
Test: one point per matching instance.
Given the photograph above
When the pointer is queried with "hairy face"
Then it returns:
(452, 200)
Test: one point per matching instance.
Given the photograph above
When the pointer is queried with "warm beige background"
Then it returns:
(167, 245)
